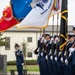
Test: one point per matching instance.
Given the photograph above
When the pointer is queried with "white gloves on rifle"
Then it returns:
(55, 58)
(42, 54)
(66, 61)
(62, 59)
(46, 57)
(51, 57)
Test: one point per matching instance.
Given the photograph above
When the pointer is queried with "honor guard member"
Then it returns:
(60, 59)
(38, 51)
(55, 42)
(50, 57)
(41, 54)
(71, 58)
(47, 44)
(55, 57)
(52, 45)
(19, 59)
(45, 53)
(47, 49)
(70, 41)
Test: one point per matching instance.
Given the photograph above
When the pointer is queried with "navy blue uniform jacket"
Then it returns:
(19, 57)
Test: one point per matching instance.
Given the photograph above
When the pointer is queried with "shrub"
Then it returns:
(28, 62)
(11, 63)
(31, 62)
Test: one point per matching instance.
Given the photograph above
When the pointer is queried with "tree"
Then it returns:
(24, 48)
(2, 40)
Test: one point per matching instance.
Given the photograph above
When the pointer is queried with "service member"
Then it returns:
(19, 59)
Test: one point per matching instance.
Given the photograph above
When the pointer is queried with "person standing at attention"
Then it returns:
(19, 59)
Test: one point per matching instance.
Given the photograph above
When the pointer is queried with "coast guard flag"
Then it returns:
(20, 8)
(38, 16)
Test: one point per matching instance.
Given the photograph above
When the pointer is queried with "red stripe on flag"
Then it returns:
(7, 20)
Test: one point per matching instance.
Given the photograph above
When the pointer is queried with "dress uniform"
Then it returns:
(55, 58)
(69, 69)
(52, 61)
(38, 52)
(19, 59)
(45, 54)
(49, 60)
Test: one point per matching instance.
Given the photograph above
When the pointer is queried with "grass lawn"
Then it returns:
(30, 68)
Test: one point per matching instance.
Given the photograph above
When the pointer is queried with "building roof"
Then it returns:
(47, 29)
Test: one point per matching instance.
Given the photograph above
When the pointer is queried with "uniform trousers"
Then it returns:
(20, 69)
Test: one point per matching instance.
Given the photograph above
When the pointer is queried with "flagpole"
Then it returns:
(40, 32)
(44, 31)
(57, 32)
(67, 29)
(53, 25)
(57, 22)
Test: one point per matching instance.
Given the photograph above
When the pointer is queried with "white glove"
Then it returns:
(50, 42)
(41, 54)
(50, 52)
(56, 39)
(55, 58)
(22, 63)
(42, 39)
(65, 53)
(54, 42)
(71, 49)
(61, 59)
(59, 53)
(45, 40)
(46, 57)
(55, 52)
(52, 39)
(18, 53)
(51, 57)
(70, 54)
(66, 61)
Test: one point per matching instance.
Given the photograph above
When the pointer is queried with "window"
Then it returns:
(29, 54)
(7, 46)
(29, 39)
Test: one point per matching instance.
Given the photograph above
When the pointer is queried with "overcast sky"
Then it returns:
(71, 9)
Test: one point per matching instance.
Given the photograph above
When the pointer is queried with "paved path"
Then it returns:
(29, 73)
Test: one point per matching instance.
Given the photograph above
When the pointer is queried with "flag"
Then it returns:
(63, 26)
(15, 13)
(20, 8)
(56, 7)
(38, 17)
(7, 20)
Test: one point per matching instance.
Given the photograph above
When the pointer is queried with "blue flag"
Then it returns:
(20, 8)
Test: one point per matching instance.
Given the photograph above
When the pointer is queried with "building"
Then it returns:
(29, 35)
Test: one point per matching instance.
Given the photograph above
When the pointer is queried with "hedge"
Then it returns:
(28, 62)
